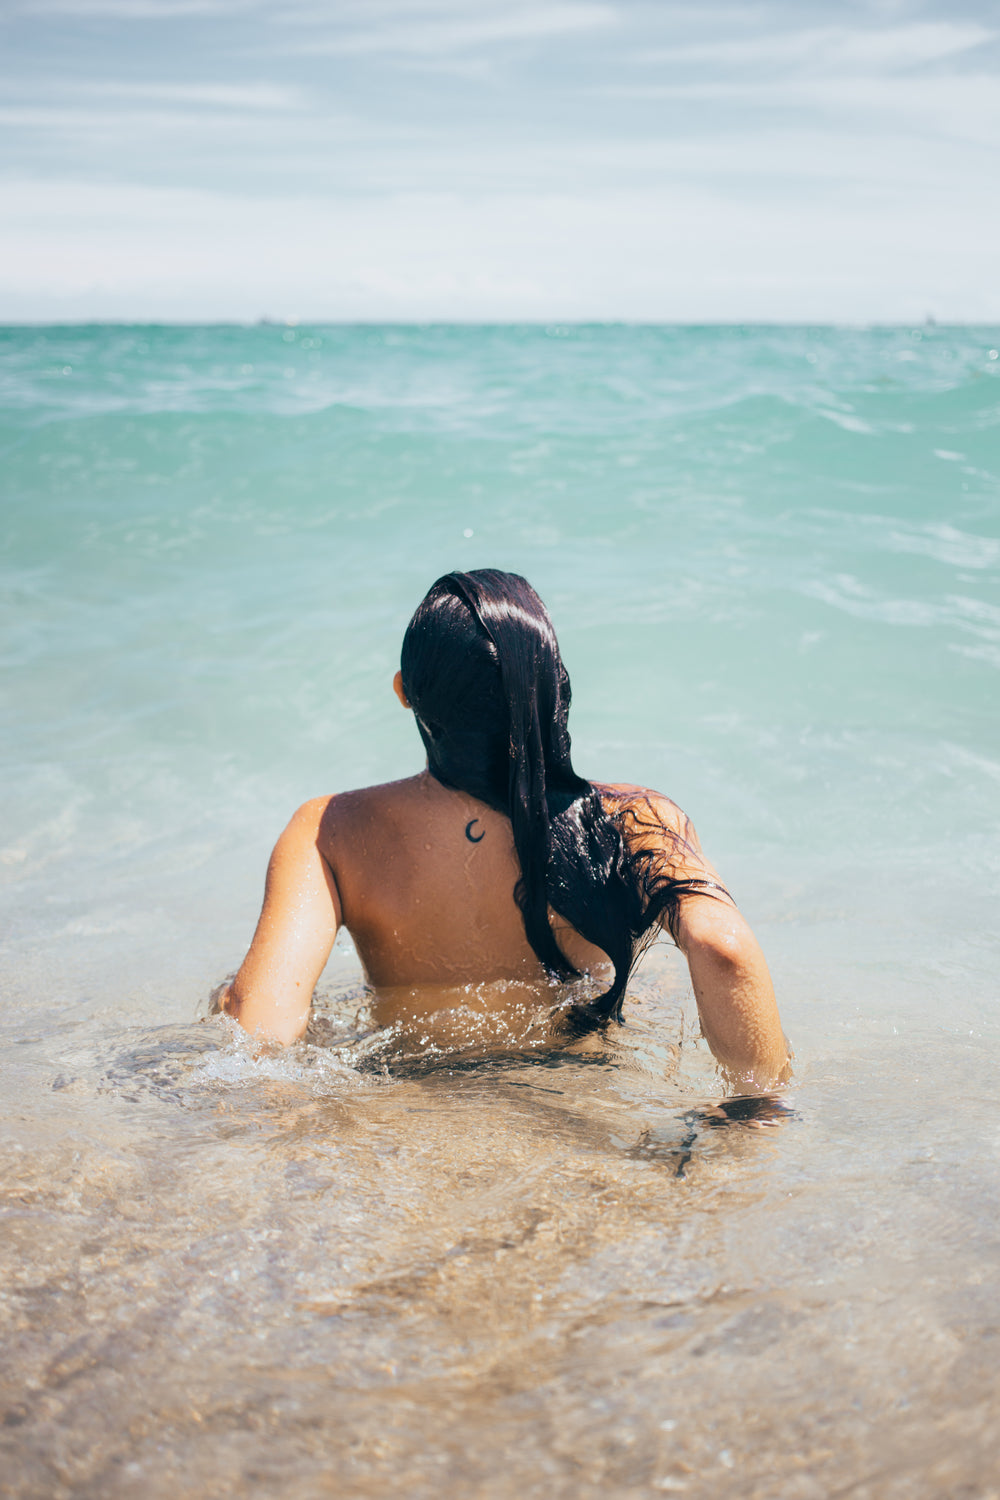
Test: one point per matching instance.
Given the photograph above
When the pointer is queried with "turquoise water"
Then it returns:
(772, 556)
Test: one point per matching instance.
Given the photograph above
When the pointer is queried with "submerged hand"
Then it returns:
(758, 1112)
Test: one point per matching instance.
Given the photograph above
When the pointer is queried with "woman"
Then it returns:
(498, 867)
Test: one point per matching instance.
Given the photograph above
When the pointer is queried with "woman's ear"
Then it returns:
(397, 687)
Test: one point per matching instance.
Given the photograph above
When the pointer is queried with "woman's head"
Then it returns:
(482, 672)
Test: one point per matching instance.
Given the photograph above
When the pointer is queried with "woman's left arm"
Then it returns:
(734, 994)
(271, 996)
(729, 975)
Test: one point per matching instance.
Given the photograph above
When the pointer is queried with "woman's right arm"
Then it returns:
(271, 996)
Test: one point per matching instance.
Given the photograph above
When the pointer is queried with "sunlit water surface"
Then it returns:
(477, 1260)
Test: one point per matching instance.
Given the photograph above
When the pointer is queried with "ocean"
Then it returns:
(772, 555)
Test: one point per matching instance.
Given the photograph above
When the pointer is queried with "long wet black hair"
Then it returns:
(482, 671)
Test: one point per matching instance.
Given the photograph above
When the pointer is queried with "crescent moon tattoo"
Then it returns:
(474, 838)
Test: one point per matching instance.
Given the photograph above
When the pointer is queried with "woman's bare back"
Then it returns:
(426, 878)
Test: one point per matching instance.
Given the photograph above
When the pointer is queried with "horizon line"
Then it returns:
(928, 321)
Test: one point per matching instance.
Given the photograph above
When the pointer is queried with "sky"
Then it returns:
(499, 160)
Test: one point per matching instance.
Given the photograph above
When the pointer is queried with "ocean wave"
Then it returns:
(850, 595)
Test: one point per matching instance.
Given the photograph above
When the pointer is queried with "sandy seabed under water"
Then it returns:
(365, 1267)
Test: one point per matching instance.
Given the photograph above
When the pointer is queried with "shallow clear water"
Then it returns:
(374, 1266)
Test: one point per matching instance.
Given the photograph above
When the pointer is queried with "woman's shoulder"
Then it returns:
(661, 839)
(642, 810)
(360, 802)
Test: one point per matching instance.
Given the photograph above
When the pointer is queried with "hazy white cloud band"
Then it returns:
(403, 159)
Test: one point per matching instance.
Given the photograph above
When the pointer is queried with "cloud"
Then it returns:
(262, 96)
(134, 10)
(830, 49)
(959, 107)
(684, 254)
(434, 33)
(198, 144)
(266, 97)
